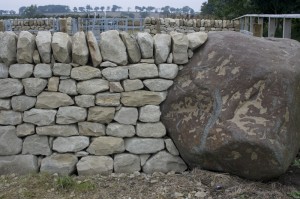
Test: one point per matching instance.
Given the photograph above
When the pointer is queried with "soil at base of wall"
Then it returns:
(194, 184)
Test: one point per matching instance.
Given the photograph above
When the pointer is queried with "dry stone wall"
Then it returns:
(166, 25)
(72, 105)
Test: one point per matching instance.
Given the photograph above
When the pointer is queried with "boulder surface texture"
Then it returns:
(235, 107)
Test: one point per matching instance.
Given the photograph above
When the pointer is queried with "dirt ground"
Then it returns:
(193, 184)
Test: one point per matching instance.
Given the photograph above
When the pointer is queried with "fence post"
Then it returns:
(2, 25)
(287, 28)
(63, 25)
(271, 27)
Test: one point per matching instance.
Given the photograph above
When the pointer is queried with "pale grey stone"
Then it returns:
(36, 145)
(120, 130)
(10, 144)
(168, 71)
(112, 47)
(53, 84)
(127, 163)
(40, 117)
(22, 103)
(18, 164)
(36, 57)
(43, 43)
(132, 47)
(162, 47)
(70, 144)
(170, 58)
(144, 145)
(58, 130)
(85, 101)
(94, 49)
(108, 64)
(115, 74)
(60, 69)
(62, 164)
(143, 71)
(93, 86)
(180, 45)
(164, 162)
(8, 52)
(70, 115)
(20, 70)
(147, 61)
(10, 87)
(25, 130)
(42, 71)
(108, 99)
(10, 118)
(133, 84)
(5, 104)
(196, 39)
(61, 47)
(190, 53)
(151, 130)
(34, 86)
(3, 71)
(92, 165)
(106, 146)
(142, 98)
(68, 86)
(80, 51)
(115, 87)
(158, 84)
(171, 147)
(126, 115)
(49, 100)
(25, 47)
(149, 113)
(145, 42)
(91, 129)
(80, 154)
(101, 114)
(144, 158)
(85, 73)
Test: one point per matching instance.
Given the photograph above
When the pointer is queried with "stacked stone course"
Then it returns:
(71, 105)
(166, 25)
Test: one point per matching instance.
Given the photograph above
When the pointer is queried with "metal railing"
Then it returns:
(253, 24)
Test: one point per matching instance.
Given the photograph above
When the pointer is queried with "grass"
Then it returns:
(295, 194)
(296, 163)
(68, 183)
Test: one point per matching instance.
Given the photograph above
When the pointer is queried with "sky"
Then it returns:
(16, 4)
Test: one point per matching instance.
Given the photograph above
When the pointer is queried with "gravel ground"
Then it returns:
(193, 184)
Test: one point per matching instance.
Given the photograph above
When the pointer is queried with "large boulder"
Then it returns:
(112, 48)
(235, 107)
(180, 44)
(25, 47)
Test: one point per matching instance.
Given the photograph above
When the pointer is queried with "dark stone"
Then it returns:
(235, 107)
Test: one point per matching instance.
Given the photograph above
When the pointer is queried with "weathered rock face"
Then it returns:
(112, 47)
(234, 113)
(18, 164)
(53, 100)
(25, 47)
(36, 145)
(94, 49)
(62, 47)
(180, 48)
(34, 86)
(10, 87)
(132, 47)
(43, 43)
(85, 73)
(92, 165)
(10, 144)
(162, 47)
(63, 164)
(196, 39)
(20, 70)
(80, 51)
(3, 70)
(9, 48)
(145, 41)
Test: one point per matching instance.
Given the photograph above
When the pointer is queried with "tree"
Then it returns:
(21, 10)
(53, 9)
(81, 9)
(75, 9)
(115, 8)
(138, 8)
(102, 8)
(12, 12)
(96, 8)
(108, 8)
(88, 8)
(150, 8)
(172, 9)
(30, 12)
